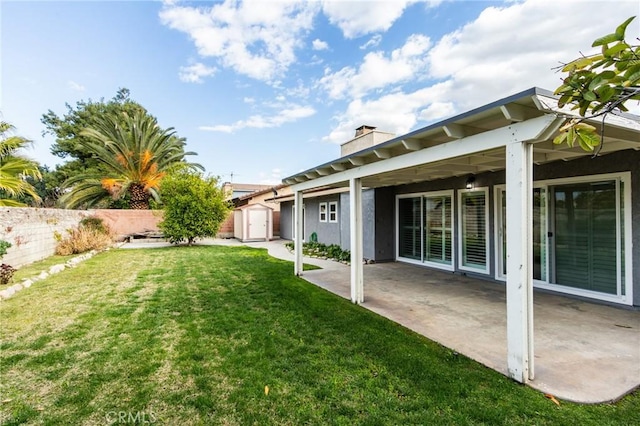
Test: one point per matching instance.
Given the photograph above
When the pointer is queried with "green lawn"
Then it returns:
(192, 335)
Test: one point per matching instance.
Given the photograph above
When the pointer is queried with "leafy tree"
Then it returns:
(599, 84)
(134, 154)
(194, 206)
(14, 168)
(71, 144)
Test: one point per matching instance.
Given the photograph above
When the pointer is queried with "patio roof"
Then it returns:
(621, 133)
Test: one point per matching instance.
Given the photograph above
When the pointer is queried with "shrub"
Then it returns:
(95, 223)
(91, 234)
(6, 271)
(194, 206)
(333, 251)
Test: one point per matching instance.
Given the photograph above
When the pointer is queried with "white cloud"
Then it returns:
(358, 18)
(248, 100)
(194, 73)
(287, 115)
(396, 112)
(378, 71)
(512, 48)
(504, 51)
(318, 44)
(372, 42)
(75, 86)
(254, 38)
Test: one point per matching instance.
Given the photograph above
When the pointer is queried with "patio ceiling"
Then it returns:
(622, 132)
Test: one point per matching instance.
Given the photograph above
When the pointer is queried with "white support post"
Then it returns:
(519, 206)
(298, 231)
(355, 225)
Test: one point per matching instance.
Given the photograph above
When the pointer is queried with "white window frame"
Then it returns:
(333, 213)
(624, 177)
(323, 211)
(487, 269)
(422, 261)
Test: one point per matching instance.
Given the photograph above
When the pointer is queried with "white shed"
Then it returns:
(253, 222)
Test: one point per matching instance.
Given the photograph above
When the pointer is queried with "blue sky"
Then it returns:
(265, 89)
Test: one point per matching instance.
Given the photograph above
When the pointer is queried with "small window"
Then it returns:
(323, 212)
(333, 211)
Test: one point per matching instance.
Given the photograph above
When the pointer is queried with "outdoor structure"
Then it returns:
(488, 195)
(253, 222)
(244, 194)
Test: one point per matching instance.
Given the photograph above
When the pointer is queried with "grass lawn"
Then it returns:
(193, 335)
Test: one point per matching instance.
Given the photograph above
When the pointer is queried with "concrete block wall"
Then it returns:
(31, 231)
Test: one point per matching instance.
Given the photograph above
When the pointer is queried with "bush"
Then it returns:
(194, 206)
(333, 251)
(6, 271)
(91, 234)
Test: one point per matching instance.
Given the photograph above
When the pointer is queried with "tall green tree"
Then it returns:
(194, 206)
(15, 168)
(134, 154)
(599, 84)
(72, 146)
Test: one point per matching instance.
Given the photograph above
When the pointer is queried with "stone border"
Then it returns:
(28, 282)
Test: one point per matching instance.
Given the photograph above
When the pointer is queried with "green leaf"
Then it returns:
(605, 93)
(590, 96)
(571, 137)
(583, 144)
(609, 38)
(622, 28)
(616, 49)
(589, 137)
(558, 140)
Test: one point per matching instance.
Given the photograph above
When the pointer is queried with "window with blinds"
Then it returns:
(473, 228)
(437, 229)
(585, 236)
(409, 238)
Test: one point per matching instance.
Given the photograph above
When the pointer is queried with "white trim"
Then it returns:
(356, 234)
(322, 212)
(335, 212)
(422, 261)
(461, 267)
(497, 229)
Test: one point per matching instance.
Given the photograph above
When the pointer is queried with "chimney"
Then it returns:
(363, 130)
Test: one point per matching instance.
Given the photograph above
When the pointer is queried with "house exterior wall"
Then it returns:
(286, 220)
(328, 232)
(384, 225)
(617, 162)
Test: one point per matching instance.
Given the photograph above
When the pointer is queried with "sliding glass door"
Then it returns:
(579, 236)
(425, 228)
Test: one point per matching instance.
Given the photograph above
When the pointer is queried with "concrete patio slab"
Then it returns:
(584, 352)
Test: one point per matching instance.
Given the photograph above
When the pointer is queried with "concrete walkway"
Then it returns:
(584, 352)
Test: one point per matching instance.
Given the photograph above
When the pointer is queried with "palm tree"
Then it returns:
(14, 168)
(134, 153)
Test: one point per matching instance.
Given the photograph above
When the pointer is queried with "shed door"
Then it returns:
(257, 224)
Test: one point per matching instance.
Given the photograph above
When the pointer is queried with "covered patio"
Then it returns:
(575, 343)
(585, 352)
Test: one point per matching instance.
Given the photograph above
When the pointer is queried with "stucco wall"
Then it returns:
(126, 222)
